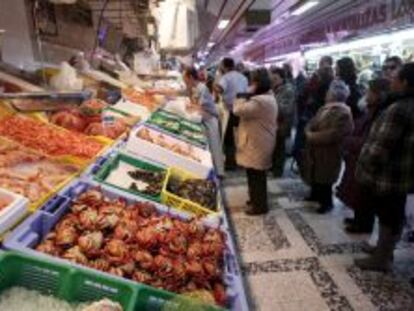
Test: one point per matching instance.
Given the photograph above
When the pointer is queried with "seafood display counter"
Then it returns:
(138, 219)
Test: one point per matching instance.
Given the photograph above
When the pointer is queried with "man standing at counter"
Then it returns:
(202, 100)
(230, 84)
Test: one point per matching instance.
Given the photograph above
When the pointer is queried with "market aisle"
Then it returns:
(296, 260)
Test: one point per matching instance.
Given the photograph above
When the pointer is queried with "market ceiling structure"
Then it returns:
(288, 19)
(256, 30)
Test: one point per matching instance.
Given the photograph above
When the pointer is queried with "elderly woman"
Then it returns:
(256, 138)
(325, 134)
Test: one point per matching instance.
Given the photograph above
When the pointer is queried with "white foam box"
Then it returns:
(16, 209)
(132, 109)
(154, 152)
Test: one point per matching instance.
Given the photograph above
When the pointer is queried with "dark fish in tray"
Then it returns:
(200, 191)
(153, 179)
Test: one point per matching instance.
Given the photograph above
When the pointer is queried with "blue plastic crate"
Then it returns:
(32, 231)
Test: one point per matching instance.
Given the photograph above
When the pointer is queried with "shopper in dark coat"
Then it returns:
(386, 168)
(346, 71)
(310, 101)
(284, 92)
(349, 191)
(325, 135)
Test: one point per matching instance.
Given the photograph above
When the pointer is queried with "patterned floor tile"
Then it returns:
(294, 259)
(319, 279)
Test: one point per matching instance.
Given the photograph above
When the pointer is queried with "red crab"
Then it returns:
(88, 219)
(163, 266)
(195, 250)
(180, 272)
(110, 208)
(196, 229)
(214, 236)
(125, 230)
(107, 221)
(131, 214)
(145, 209)
(78, 207)
(178, 243)
(141, 276)
(99, 264)
(66, 236)
(69, 220)
(146, 238)
(213, 249)
(211, 269)
(116, 251)
(75, 254)
(117, 271)
(91, 243)
(92, 198)
(194, 268)
(144, 259)
(49, 247)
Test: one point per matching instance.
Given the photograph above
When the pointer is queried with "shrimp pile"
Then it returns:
(29, 173)
(48, 139)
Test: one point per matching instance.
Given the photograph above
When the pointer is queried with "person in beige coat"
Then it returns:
(325, 135)
(256, 138)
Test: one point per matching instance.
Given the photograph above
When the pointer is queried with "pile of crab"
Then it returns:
(135, 241)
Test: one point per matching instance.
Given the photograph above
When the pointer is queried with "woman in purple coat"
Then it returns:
(349, 191)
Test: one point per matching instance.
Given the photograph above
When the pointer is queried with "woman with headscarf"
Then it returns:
(325, 134)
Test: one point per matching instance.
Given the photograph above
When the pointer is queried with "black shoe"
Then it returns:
(310, 199)
(349, 221)
(358, 229)
(254, 211)
(277, 174)
(324, 209)
(230, 166)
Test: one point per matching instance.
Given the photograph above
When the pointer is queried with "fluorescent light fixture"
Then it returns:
(223, 24)
(210, 44)
(282, 57)
(305, 7)
(250, 41)
(362, 43)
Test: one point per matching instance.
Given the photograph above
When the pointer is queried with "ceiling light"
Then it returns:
(386, 38)
(283, 57)
(223, 23)
(210, 44)
(305, 7)
(250, 41)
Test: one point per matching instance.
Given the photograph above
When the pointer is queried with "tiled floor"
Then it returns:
(296, 260)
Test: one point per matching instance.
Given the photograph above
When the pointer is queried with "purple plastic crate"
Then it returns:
(34, 229)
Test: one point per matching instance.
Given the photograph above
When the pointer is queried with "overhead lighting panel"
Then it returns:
(210, 44)
(304, 7)
(371, 42)
(223, 24)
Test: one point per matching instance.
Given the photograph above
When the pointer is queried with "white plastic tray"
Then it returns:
(132, 109)
(15, 211)
(144, 148)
